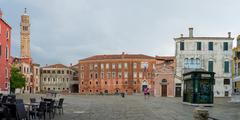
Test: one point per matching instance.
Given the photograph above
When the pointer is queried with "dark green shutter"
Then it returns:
(210, 66)
(225, 46)
(210, 46)
(226, 67)
(181, 45)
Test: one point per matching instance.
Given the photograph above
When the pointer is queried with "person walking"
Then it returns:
(145, 93)
(148, 92)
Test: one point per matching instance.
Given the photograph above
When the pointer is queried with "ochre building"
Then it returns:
(111, 74)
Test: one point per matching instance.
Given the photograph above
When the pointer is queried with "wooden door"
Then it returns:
(164, 90)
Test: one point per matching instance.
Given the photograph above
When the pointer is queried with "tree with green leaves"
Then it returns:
(17, 79)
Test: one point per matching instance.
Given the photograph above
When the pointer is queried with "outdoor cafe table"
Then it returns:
(32, 106)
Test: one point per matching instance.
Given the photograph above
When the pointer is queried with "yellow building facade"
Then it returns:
(236, 66)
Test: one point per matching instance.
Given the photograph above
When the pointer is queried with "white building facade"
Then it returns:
(208, 53)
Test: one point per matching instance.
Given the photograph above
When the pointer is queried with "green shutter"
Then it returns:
(199, 45)
(225, 46)
(226, 67)
(210, 46)
(210, 66)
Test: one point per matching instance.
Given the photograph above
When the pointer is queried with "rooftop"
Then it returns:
(191, 37)
(56, 66)
(118, 56)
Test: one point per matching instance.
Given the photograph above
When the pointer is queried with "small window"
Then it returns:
(225, 46)
(102, 75)
(7, 34)
(105, 82)
(102, 66)
(119, 74)
(120, 66)
(107, 66)
(199, 46)
(125, 65)
(134, 65)
(96, 75)
(116, 82)
(82, 90)
(96, 82)
(109, 75)
(113, 74)
(210, 46)
(82, 67)
(126, 82)
(226, 82)
(113, 66)
(91, 75)
(7, 52)
(181, 45)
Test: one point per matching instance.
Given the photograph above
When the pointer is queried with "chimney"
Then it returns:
(229, 34)
(1, 13)
(123, 55)
(70, 64)
(190, 32)
(181, 35)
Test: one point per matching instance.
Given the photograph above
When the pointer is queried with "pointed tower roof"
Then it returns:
(25, 11)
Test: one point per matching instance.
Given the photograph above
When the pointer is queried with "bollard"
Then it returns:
(200, 113)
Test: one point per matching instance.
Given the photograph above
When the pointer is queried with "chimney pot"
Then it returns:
(181, 35)
(229, 34)
(191, 32)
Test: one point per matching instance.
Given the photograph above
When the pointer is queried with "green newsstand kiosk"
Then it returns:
(198, 88)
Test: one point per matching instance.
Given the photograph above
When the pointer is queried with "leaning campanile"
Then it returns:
(25, 35)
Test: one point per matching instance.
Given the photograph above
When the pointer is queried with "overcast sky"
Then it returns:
(64, 31)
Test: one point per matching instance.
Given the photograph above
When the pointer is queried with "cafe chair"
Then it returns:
(60, 106)
(40, 111)
(21, 112)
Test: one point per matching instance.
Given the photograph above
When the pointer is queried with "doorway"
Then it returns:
(164, 90)
(75, 88)
(178, 92)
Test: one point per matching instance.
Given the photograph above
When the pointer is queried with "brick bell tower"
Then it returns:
(25, 36)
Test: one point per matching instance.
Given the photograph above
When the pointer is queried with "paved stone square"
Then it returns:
(78, 107)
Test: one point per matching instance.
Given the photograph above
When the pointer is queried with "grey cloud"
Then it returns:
(66, 31)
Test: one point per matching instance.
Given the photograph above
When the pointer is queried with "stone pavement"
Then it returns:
(78, 107)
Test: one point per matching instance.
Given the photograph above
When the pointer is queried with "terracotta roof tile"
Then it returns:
(56, 66)
(165, 57)
(119, 56)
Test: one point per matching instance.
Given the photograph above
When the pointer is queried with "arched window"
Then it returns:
(164, 81)
(198, 63)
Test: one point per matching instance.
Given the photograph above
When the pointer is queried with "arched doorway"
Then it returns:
(164, 87)
(144, 85)
(75, 88)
